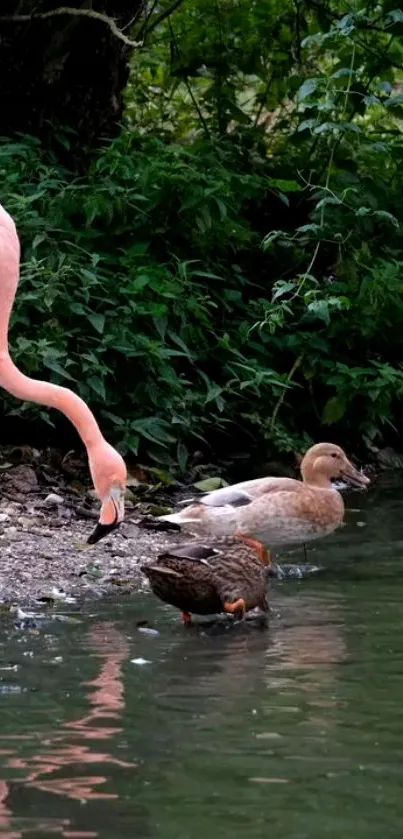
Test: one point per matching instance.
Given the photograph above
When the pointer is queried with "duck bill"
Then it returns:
(353, 476)
(112, 514)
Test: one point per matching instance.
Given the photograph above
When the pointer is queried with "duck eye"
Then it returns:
(334, 454)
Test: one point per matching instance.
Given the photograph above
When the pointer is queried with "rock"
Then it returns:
(87, 513)
(73, 464)
(53, 500)
(388, 458)
(133, 482)
(22, 478)
(27, 522)
(130, 497)
(130, 531)
(91, 495)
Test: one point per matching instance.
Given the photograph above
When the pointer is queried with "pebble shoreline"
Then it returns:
(40, 557)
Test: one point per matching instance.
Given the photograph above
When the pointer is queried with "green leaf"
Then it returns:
(383, 214)
(394, 101)
(307, 124)
(317, 40)
(328, 200)
(320, 308)
(53, 364)
(209, 484)
(182, 455)
(213, 393)
(38, 239)
(272, 237)
(334, 410)
(98, 321)
(308, 87)
(282, 287)
(97, 385)
(112, 417)
(395, 16)
(343, 71)
(327, 128)
(346, 25)
(309, 228)
(153, 429)
(285, 185)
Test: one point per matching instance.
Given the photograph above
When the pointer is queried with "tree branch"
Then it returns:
(143, 28)
(166, 13)
(187, 83)
(66, 10)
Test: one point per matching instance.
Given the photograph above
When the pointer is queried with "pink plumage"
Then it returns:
(107, 467)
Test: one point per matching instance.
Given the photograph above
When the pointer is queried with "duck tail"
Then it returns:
(155, 571)
(190, 515)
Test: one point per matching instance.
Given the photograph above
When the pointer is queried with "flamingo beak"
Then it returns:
(112, 514)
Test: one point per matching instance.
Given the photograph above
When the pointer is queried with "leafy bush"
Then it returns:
(230, 274)
(107, 304)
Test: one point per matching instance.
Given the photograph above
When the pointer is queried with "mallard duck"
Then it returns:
(208, 579)
(276, 511)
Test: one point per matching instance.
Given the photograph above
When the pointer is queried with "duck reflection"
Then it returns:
(203, 682)
(214, 671)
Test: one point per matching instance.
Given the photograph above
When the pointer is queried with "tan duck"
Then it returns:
(204, 579)
(277, 511)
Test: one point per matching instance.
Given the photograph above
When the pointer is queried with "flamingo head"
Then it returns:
(109, 474)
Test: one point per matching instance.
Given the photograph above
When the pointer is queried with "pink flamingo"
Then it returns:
(107, 467)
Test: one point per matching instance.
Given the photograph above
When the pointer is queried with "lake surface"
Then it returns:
(230, 731)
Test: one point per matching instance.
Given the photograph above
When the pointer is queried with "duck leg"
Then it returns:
(236, 608)
(262, 552)
(186, 618)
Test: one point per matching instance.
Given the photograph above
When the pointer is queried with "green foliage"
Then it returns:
(108, 305)
(231, 265)
(312, 92)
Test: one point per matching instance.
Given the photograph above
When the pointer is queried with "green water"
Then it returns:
(294, 732)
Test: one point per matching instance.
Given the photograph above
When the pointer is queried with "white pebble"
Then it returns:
(140, 661)
(53, 498)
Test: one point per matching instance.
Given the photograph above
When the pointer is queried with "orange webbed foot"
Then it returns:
(237, 608)
(260, 549)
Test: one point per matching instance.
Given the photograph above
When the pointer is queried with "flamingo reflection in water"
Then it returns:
(108, 702)
(5, 813)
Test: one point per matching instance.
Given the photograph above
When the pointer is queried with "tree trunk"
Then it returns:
(64, 72)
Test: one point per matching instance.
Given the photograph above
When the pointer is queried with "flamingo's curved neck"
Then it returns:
(11, 379)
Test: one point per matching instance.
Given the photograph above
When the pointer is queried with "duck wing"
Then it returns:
(242, 494)
(197, 552)
(292, 517)
(182, 576)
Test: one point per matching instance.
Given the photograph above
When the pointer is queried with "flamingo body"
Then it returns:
(107, 467)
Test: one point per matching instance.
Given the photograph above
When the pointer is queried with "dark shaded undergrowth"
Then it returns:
(232, 288)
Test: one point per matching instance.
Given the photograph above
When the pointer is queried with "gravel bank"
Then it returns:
(47, 513)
